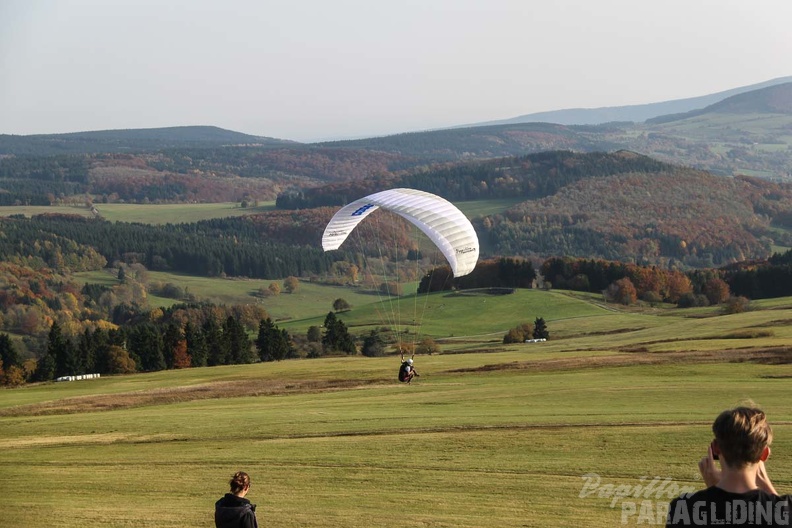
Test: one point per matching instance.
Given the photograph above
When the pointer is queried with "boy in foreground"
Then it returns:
(740, 493)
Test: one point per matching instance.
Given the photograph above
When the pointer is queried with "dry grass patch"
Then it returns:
(85, 439)
(767, 356)
(168, 395)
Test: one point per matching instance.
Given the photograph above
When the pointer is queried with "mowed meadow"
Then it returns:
(518, 435)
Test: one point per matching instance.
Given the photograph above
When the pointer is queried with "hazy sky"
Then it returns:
(315, 69)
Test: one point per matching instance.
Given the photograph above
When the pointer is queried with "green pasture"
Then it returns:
(309, 300)
(716, 127)
(439, 315)
(522, 435)
(146, 213)
(178, 213)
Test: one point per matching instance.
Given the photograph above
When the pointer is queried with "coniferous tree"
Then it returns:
(196, 345)
(8, 353)
(86, 352)
(216, 348)
(336, 336)
(540, 329)
(45, 368)
(272, 343)
(329, 338)
(146, 342)
(237, 341)
(170, 340)
(63, 351)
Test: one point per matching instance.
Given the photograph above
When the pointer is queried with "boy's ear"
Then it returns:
(765, 454)
(715, 448)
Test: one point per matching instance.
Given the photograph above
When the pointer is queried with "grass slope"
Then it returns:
(504, 438)
(146, 213)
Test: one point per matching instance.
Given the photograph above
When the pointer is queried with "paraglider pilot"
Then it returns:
(406, 370)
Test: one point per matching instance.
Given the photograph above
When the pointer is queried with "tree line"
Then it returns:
(211, 248)
(202, 337)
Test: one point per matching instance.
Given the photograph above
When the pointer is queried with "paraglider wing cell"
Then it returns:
(446, 226)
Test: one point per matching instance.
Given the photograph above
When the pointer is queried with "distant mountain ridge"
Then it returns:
(775, 99)
(745, 133)
(634, 113)
(130, 140)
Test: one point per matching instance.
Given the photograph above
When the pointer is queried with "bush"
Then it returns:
(314, 334)
(340, 305)
(736, 304)
(428, 346)
(392, 288)
(373, 345)
(692, 300)
(518, 334)
(652, 297)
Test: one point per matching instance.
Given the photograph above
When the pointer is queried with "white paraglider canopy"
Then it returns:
(445, 225)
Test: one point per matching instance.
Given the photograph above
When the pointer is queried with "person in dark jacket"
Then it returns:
(234, 510)
(406, 370)
(740, 492)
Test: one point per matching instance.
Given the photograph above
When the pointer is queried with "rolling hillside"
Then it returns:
(635, 113)
(747, 133)
(133, 140)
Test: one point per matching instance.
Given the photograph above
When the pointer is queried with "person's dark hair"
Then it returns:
(742, 434)
(239, 481)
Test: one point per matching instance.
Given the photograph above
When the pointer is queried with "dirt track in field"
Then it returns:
(767, 356)
(271, 387)
(164, 396)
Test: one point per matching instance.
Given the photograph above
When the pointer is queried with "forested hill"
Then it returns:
(635, 113)
(668, 218)
(133, 140)
(483, 142)
(618, 206)
(771, 100)
(529, 177)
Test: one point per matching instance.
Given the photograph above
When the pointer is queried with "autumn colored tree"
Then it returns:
(736, 304)
(678, 284)
(170, 340)
(181, 359)
(518, 334)
(622, 291)
(119, 361)
(12, 376)
(274, 289)
(290, 284)
(391, 288)
(716, 290)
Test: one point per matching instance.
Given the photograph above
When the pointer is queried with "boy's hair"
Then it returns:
(742, 434)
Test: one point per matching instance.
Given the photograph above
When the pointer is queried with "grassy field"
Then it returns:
(186, 213)
(504, 438)
(146, 213)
